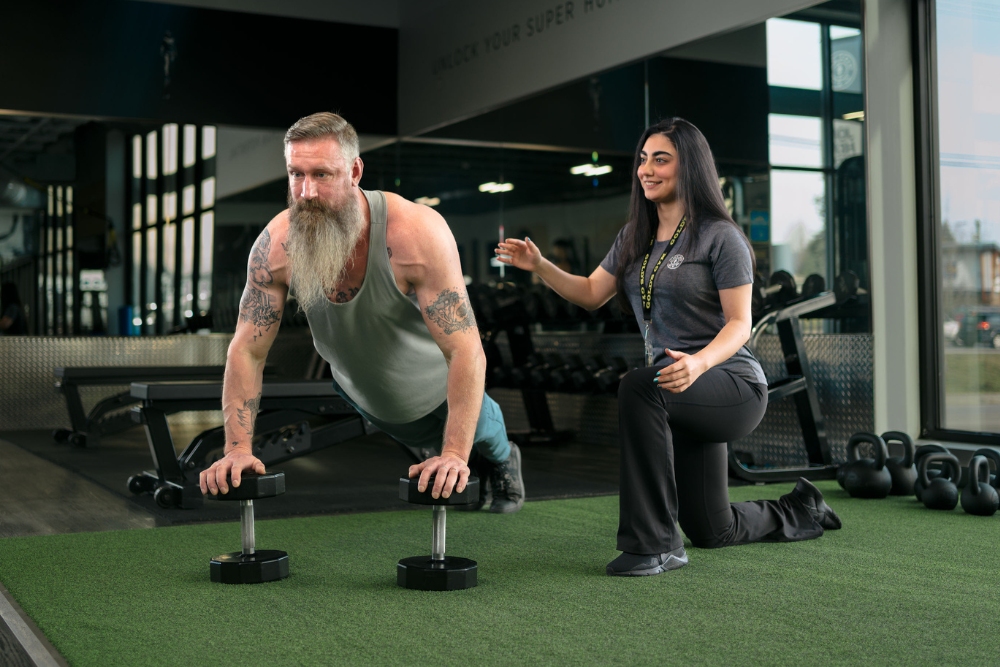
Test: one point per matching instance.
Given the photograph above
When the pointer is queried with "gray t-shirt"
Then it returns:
(687, 314)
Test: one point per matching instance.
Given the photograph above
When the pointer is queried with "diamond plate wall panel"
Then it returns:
(842, 372)
(28, 398)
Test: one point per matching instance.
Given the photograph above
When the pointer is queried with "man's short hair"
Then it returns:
(326, 124)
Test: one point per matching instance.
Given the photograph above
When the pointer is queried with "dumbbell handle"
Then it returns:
(246, 526)
(437, 533)
(771, 289)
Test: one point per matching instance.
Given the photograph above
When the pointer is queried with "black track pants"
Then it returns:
(674, 467)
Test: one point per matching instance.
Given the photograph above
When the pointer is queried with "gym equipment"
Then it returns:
(110, 415)
(780, 290)
(978, 497)
(994, 456)
(609, 376)
(940, 493)
(904, 473)
(250, 566)
(437, 572)
(867, 478)
(282, 426)
(921, 452)
(813, 285)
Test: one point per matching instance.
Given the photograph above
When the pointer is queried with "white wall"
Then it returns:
(892, 214)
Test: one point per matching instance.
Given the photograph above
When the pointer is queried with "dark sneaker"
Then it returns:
(643, 565)
(482, 469)
(507, 483)
(812, 499)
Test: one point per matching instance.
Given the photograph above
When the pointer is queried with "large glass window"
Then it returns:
(968, 106)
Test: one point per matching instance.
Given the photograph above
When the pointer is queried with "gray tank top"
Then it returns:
(380, 351)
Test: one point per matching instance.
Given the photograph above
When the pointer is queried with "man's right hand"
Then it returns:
(232, 465)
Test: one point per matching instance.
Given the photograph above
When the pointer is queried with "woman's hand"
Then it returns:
(522, 254)
(681, 374)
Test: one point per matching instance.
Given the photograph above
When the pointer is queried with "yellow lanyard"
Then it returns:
(647, 292)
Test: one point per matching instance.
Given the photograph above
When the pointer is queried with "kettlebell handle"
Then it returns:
(908, 447)
(878, 444)
(953, 470)
(977, 466)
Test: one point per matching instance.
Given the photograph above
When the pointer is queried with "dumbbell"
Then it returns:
(538, 377)
(813, 285)
(437, 572)
(251, 566)
(780, 290)
(610, 375)
(565, 377)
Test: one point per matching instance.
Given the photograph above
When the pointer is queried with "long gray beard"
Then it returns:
(321, 240)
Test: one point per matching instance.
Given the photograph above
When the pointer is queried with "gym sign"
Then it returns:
(534, 26)
(462, 58)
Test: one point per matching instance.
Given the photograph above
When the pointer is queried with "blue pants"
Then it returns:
(428, 431)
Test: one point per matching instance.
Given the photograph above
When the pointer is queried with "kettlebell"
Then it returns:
(901, 468)
(844, 467)
(867, 478)
(922, 451)
(978, 497)
(940, 493)
(994, 456)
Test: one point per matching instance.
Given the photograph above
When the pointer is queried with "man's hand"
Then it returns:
(449, 471)
(681, 374)
(213, 479)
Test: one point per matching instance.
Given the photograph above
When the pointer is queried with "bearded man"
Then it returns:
(380, 282)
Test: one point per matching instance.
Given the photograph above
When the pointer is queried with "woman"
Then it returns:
(12, 321)
(684, 267)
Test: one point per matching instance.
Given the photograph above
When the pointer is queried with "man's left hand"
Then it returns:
(450, 474)
(681, 374)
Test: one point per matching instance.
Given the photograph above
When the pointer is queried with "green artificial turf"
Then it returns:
(898, 585)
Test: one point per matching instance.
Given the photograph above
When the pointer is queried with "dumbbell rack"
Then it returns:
(799, 385)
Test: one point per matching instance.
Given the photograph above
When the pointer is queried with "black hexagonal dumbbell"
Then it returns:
(251, 566)
(437, 572)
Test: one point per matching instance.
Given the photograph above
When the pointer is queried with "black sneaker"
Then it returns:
(643, 565)
(507, 483)
(482, 469)
(812, 499)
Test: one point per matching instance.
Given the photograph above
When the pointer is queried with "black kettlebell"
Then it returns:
(922, 451)
(994, 456)
(844, 467)
(867, 478)
(940, 493)
(978, 497)
(901, 468)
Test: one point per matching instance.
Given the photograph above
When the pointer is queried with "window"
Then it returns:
(968, 214)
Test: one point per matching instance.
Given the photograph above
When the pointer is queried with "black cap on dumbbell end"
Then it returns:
(253, 486)
(408, 492)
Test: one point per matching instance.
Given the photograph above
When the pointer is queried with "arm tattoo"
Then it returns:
(452, 311)
(248, 413)
(256, 305)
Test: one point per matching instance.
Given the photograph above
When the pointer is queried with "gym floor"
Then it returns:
(51, 489)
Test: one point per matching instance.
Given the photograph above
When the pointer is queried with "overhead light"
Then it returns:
(494, 188)
(428, 201)
(854, 115)
(590, 169)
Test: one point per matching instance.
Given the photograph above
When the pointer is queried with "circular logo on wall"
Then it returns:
(675, 261)
(845, 70)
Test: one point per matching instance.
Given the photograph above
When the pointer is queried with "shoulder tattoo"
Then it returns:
(248, 413)
(256, 305)
(451, 311)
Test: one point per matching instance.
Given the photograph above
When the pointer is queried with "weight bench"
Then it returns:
(799, 385)
(282, 431)
(110, 414)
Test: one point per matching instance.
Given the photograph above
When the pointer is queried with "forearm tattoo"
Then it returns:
(452, 311)
(256, 306)
(247, 415)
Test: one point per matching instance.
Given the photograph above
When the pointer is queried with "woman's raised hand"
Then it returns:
(522, 254)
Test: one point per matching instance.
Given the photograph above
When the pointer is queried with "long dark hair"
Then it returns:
(697, 189)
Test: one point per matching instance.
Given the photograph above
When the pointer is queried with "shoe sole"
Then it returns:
(514, 450)
(673, 563)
